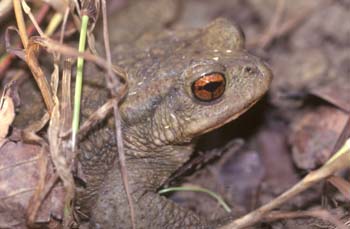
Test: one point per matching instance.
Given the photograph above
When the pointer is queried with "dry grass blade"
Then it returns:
(61, 165)
(96, 117)
(20, 22)
(39, 76)
(66, 111)
(55, 75)
(112, 82)
(59, 159)
(316, 213)
(66, 106)
(36, 126)
(27, 10)
(64, 24)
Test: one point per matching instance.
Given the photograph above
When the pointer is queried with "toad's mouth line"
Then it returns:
(223, 121)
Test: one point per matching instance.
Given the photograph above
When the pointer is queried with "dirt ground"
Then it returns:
(294, 129)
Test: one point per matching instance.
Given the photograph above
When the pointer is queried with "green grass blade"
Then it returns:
(198, 189)
(79, 79)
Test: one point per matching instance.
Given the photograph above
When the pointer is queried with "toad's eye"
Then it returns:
(209, 87)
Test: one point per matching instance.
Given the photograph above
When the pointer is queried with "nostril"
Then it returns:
(248, 69)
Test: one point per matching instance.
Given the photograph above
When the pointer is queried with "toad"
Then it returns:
(182, 84)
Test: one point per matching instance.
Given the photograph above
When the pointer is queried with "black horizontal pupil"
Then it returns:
(209, 87)
(212, 86)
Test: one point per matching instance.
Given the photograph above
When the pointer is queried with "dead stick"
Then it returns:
(39, 76)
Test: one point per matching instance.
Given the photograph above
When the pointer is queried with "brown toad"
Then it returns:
(182, 84)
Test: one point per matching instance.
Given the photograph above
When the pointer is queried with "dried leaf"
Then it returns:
(19, 176)
(336, 92)
(315, 135)
(7, 114)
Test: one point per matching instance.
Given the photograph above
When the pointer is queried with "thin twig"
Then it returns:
(316, 213)
(120, 145)
(64, 24)
(27, 10)
(39, 76)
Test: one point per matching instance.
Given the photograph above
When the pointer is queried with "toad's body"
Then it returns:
(161, 114)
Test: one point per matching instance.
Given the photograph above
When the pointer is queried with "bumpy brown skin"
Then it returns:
(160, 117)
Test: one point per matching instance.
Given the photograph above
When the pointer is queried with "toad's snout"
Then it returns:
(266, 75)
